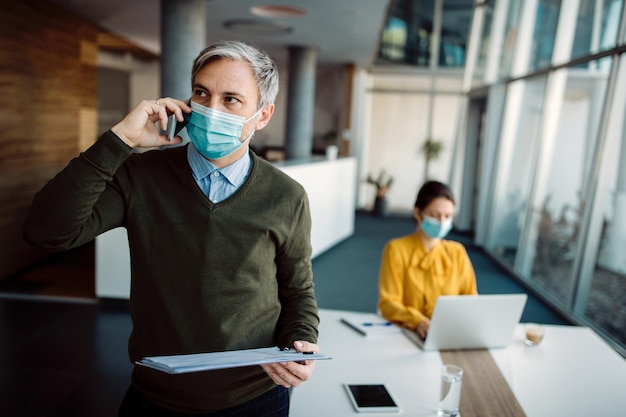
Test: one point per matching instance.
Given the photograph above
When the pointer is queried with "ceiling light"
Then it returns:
(256, 27)
(276, 11)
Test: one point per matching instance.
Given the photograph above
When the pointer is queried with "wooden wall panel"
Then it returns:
(48, 113)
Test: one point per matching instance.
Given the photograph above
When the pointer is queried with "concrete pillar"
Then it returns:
(300, 102)
(183, 36)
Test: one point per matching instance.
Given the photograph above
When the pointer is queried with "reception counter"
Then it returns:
(330, 185)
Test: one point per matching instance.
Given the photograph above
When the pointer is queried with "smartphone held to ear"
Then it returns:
(174, 126)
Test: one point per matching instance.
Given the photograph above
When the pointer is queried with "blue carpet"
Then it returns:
(346, 276)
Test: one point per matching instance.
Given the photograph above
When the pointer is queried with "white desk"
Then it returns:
(571, 373)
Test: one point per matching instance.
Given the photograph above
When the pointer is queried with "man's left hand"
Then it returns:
(292, 374)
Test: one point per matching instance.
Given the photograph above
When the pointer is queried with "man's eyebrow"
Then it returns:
(198, 85)
(233, 93)
(224, 93)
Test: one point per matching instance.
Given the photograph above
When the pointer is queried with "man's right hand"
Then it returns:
(139, 130)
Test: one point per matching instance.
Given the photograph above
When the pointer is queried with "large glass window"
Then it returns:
(455, 23)
(483, 48)
(546, 21)
(605, 305)
(393, 40)
(561, 195)
(596, 26)
(510, 37)
(556, 201)
(519, 137)
(407, 37)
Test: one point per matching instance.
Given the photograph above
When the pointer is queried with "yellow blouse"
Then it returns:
(411, 279)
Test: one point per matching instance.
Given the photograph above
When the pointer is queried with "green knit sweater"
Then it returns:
(205, 276)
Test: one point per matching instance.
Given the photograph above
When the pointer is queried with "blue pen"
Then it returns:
(377, 324)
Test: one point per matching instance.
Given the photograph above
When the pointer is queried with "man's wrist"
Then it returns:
(118, 132)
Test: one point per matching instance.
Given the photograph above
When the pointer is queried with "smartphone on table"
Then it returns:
(371, 398)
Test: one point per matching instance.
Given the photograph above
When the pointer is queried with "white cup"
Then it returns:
(450, 394)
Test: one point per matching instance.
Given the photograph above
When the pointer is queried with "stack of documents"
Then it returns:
(178, 364)
(369, 324)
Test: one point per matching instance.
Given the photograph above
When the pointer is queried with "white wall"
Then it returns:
(402, 113)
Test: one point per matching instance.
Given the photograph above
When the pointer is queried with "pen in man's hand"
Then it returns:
(377, 324)
(291, 350)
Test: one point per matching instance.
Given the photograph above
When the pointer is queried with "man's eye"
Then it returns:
(199, 93)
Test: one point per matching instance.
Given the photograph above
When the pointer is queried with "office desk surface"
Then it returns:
(571, 373)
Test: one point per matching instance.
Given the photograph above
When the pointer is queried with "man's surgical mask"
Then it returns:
(216, 134)
(435, 229)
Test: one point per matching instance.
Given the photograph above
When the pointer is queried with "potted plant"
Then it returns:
(382, 184)
(431, 149)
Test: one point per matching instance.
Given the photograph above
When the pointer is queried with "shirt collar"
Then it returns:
(235, 173)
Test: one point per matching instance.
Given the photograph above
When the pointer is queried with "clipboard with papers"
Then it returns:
(196, 362)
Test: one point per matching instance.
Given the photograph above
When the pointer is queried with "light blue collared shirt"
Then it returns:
(218, 183)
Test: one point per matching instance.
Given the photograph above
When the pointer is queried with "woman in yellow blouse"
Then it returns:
(418, 268)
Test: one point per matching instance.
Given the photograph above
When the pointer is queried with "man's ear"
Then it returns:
(266, 115)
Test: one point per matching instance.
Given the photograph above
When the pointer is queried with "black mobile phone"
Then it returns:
(174, 126)
(371, 398)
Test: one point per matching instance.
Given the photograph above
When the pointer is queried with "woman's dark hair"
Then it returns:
(430, 191)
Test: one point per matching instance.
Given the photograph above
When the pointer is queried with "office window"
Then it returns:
(483, 48)
(394, 40)
(519, 140)
(605, 305)
(596, 26)
(455, 23)
(510, 37)
(408, 36)
(546, 21)
(556, 201)
(561, 203)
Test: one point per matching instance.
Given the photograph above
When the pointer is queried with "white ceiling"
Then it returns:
(343, 31)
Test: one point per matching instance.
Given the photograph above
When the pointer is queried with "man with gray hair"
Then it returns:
(219, 239)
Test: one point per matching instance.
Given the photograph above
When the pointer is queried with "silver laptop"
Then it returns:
(472, 322)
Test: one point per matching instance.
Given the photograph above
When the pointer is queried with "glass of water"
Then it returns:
(450, 396)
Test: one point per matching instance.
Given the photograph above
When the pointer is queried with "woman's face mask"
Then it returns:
(216, 134)
(435, 229)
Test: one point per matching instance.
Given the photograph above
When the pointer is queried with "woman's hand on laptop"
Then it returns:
(422, 328)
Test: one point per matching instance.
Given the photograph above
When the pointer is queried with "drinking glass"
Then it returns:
(450, 396)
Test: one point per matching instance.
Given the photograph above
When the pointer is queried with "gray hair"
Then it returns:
(264, 68)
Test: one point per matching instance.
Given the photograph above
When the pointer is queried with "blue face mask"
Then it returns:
(215, 134)
(435, 229)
